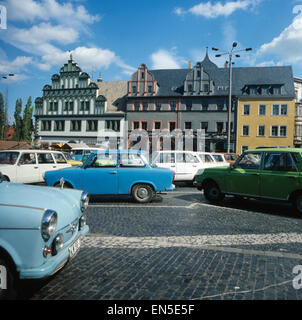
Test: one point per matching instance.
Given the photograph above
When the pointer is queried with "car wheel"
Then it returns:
(7, 281)
(142, 193)
(212, 192)
(298, 203)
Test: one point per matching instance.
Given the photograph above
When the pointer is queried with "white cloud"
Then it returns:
(287, 46)
(210, 11)
(163, 59)
(31, 10)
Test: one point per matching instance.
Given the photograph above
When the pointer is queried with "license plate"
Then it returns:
(74, 248)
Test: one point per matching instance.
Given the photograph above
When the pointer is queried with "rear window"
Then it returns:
(8, 157)
(45, 158)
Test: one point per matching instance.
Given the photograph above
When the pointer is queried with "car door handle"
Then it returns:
(54, 166)
(113, 172)
(36, 167)
(172, 166)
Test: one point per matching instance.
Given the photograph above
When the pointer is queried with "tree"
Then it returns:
(27, 124)
(18, 119)
(2, 116)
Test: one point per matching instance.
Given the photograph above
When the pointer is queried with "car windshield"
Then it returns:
(8, 157)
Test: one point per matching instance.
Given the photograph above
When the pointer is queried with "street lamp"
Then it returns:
(230, 62)
(5, 77)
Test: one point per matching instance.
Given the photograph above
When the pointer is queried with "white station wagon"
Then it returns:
(28, 166)
(185, 164)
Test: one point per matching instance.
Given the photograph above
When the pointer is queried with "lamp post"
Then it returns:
(230, 62)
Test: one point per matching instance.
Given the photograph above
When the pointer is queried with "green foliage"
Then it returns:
(2, 116)
(27, 123)
(18, 120)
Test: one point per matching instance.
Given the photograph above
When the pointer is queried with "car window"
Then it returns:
(8, 157)
(102, 160)
(186, 158)
(218, 157)
(27, 158)
(131, 160)
(77, 152)
(59, 158)
(249, 161)
(279, 161)
(206, 158)
(45, 158)
(166, 157)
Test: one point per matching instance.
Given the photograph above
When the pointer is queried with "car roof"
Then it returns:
(275, 149)
(31, 150)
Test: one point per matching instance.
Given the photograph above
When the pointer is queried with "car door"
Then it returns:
(27, 168)
(280, 176)
(244, 177)
(46, 162)
(100, 174)
(165, 160)
(186, 165)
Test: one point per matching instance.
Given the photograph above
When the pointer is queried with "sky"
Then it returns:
(112, 38)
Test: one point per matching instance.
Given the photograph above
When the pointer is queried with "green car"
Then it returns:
(268, 173)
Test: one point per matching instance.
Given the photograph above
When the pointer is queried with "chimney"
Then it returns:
(190, 64)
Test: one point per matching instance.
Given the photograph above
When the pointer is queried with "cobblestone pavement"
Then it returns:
(181, 247)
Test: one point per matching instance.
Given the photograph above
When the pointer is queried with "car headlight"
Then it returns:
(49, 223)
(84, 201)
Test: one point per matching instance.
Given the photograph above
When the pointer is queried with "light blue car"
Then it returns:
(41, 229)
(115, 172)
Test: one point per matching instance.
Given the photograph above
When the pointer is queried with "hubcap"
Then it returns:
(142, 193)
(213, 192)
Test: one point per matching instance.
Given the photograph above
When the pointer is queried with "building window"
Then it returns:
(279, 110)
(136, 107)
(219, 127)
(75, 125)
(172, 125)
(204, 126)
(92, 125)
(244, 148)
(283, 131)
(262, 110)
(158, 106)
(157, 125)
(245, 130)
(46, 125)
(173, 106)
(150, 89)
(206, 88)
(274, 131)
(59, 125)
(190, 88)
(55, 106)
(145, 125)
(261, 131)
(87, 105)
(277, 90)
(134, 89)
(188, 125)
(145, 106)
(143, 75)
(189, 106)
(135, 125)
(113, 125)
(246, 109)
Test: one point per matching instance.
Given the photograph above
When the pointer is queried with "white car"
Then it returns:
(185, 164)
(28, 166)
(220, 159)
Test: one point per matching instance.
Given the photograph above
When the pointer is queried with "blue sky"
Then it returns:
(113, 38)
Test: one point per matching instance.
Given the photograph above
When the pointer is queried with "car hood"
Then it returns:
(65, 202)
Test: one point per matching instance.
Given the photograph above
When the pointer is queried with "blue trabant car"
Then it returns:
(41, 229)
(115, 172)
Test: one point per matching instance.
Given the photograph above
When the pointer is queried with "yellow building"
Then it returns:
(265, 123)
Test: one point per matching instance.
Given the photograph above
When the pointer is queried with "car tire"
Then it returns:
(297, 202)
(212, 193)
(10, 292)
(142, 193)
